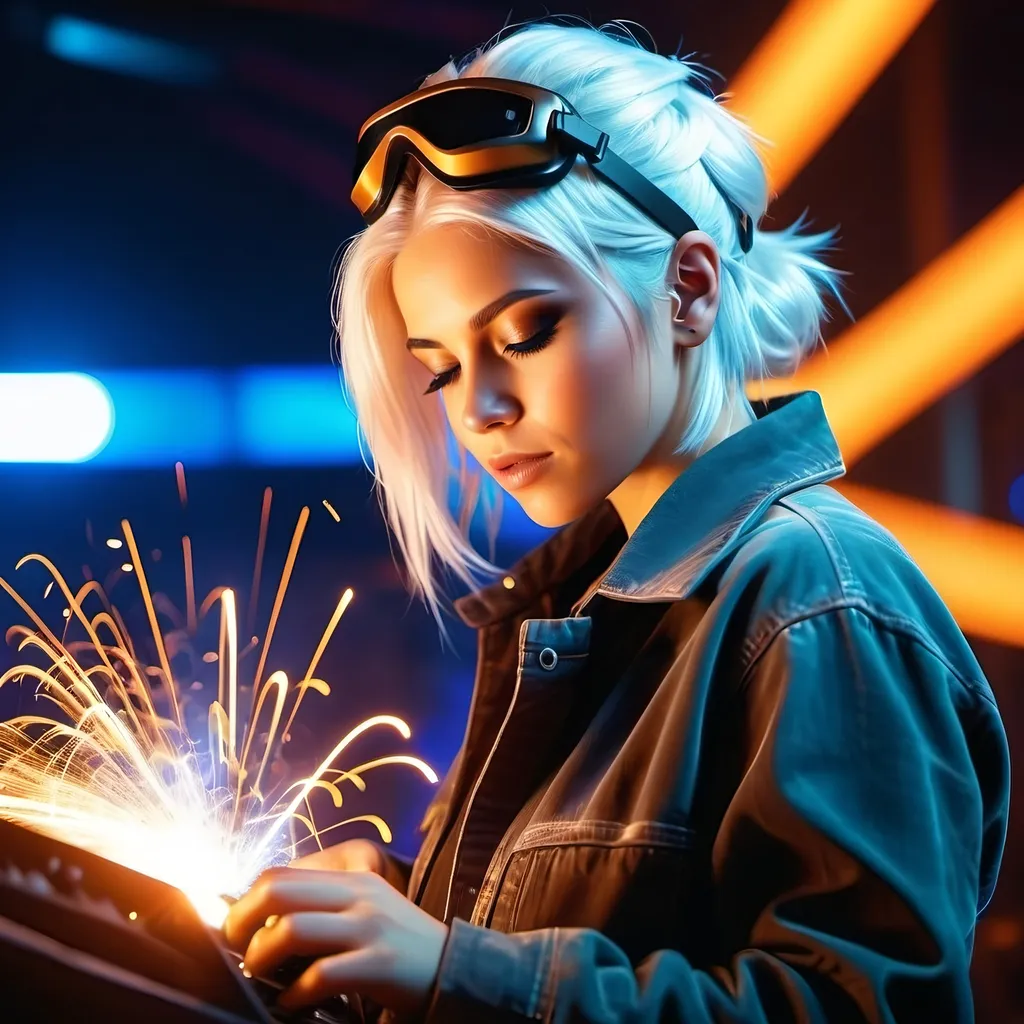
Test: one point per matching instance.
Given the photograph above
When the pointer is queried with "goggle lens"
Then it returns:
(452, 120)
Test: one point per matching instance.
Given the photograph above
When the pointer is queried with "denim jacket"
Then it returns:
(791, 805)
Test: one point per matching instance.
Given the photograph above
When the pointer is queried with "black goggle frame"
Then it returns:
(476, 133)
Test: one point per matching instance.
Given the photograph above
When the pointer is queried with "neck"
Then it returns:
(640, 491)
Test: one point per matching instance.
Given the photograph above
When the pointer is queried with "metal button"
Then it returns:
(509, 582)
(548, 659)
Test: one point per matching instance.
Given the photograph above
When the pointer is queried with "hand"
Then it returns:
(351, 855)
(354, 855)
(368, 937)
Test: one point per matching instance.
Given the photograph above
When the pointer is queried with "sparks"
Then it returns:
(179, 473)
(117, 771)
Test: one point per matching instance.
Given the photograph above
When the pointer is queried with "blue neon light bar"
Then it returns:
(53, 417)
(255, 415)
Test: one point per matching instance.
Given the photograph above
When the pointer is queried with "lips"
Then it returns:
(509, 459)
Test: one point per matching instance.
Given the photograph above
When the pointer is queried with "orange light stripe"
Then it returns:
(810, 69)
(975, 564)
(798, 85)
(920, 343)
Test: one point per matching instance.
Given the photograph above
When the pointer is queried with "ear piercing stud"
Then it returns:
(677, 305)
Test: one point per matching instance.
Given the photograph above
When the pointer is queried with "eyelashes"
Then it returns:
(536, 343)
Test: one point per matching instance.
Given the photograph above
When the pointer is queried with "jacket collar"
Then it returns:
(698, 521)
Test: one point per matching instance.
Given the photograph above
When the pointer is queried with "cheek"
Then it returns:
(593, 395)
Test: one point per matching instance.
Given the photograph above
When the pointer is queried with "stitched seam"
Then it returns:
(537, 649)
(608, 844)
(604, 833)
(546, 1011)
(513, 916)
(894, 623)
(533, 1006)
(825, 533)
(610, 829)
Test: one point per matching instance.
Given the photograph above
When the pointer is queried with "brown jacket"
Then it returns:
(787, 800)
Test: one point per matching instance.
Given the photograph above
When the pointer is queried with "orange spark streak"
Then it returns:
(158, 637)
(179, 472)
(307, 680)
(330, 508)
(128, 783)
(190, 590)
(254, 593)
(228, 668)
(282, 588)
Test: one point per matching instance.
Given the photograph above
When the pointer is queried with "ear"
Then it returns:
(694, 280)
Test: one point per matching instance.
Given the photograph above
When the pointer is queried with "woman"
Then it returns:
(729, 757)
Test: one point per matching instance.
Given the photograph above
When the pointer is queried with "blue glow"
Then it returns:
(1017, 499)
(53, 417)
(168, 415)
(516, 526)
(289, 414)
(257, 415)
(128, 53)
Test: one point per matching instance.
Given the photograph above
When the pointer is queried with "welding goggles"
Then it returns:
(477, 133)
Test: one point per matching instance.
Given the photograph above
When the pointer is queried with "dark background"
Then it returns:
(151, 225)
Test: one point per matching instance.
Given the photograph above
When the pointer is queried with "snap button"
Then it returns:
(548, 659)
(509, 582)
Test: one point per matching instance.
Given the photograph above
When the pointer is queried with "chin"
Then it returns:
(547, 511)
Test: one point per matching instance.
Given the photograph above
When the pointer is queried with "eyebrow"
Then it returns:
(478, 321)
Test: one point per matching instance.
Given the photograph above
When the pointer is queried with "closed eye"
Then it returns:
(538, 341)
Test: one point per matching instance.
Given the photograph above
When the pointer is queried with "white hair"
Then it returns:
(661, 119)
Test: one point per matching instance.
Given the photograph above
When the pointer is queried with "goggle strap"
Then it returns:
(593, 145)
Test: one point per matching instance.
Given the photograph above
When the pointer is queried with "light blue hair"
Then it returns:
(660, 118)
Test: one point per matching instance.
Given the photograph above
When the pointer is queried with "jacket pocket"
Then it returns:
(633, 883)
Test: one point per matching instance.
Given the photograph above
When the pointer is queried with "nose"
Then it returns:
(489, 403)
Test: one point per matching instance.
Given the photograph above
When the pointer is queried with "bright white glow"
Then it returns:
(53, 417)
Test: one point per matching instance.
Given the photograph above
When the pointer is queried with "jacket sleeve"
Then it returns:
(849, 865)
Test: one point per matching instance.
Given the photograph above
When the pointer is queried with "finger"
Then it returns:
(283, 891)
(357, 971)
(351, 858)
(307, 934)
(321, 860)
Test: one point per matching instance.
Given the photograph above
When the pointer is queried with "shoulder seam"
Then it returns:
(840, 566)
(893, 623)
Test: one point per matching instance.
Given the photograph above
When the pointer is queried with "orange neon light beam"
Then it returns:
(794, 90)
(975, 564)
(808, 72)
(922, 341)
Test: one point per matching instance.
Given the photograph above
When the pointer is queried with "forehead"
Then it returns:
(444, 274)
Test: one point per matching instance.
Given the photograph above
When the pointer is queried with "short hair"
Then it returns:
(661, 117)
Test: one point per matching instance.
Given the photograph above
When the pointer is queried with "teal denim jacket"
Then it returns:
(790, 807)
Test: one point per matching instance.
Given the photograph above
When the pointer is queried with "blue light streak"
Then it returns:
(292, 416)
(128, 53)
